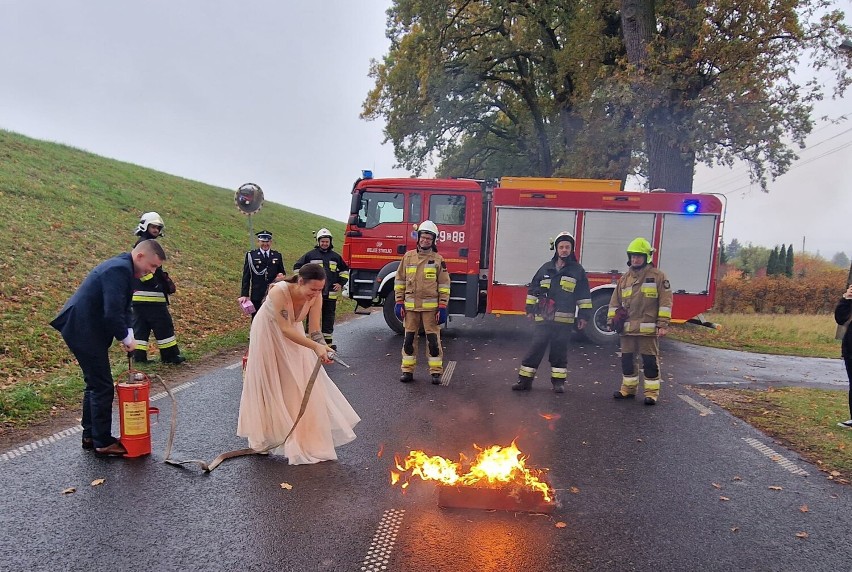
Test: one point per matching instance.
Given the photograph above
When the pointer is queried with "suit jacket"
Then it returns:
(259, 272)
(99, 311)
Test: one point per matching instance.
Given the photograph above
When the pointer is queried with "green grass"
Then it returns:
(66, 210)
(782, 334)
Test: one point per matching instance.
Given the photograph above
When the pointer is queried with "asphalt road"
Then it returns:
(679, 486)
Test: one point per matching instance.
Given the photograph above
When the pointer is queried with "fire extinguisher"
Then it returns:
(134, 408)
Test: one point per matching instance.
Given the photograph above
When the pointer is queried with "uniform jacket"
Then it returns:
(99, 311)
(259, 272)
(336, 271)
(152, 288)
(842, 313)
(647, 296)
(422, 281)
(555, 294)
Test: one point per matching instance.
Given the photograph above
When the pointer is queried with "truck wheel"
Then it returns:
(596, 331)
(390, 318)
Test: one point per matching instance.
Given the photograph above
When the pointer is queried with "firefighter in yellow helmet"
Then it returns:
(640, 310)
(421, 290)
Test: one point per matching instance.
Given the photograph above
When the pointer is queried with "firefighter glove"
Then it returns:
(399, 310)
(441, 316)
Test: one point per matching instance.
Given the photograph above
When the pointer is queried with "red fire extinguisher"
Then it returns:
(134, 409)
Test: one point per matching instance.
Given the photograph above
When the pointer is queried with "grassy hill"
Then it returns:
(65, 210)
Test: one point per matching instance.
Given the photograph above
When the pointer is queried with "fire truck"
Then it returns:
(495, 234)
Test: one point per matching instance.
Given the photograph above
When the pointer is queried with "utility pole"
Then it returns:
(803, 245)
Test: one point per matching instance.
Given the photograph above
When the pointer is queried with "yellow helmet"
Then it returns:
(641, 246)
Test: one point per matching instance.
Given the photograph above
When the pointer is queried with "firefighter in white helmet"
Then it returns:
(640, 310)
(557, 290)
(337, 274)
(421, 291)
(151, 302)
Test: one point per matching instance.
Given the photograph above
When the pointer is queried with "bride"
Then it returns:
(280, 362)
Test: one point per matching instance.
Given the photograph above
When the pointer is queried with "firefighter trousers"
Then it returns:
(413, 321)
(156, 317)
(546, 334)
(329, 307)
(649, 348)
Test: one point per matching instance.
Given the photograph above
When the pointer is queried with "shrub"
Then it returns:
(815, 293)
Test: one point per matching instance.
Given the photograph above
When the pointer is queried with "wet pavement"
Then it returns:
(678, 486)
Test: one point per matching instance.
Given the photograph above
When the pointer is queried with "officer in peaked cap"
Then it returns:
(262, 267)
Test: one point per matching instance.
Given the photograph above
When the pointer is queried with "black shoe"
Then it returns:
(619, 395)
(87, 443)
(333, 346)
(559, 388)
(522, 385)
(650, 401)
(177, 360)
(436, 379)
(407, 377)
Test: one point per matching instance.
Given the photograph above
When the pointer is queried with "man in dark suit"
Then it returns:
(261, 267)
(97, 313)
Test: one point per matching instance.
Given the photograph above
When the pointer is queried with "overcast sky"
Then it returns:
(269, 91)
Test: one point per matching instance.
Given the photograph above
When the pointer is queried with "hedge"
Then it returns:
(813, 294)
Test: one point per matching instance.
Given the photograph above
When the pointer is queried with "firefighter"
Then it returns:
(151, 302)
(556, 291)
(337, 274)
(421, 291)
(262, 267)
(646, 296)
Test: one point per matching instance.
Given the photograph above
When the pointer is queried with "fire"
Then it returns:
(494, 467)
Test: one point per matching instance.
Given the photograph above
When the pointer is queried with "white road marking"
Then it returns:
(381, 546)
(448, 373)
(696, 405)
(775, 456)
(234, 365)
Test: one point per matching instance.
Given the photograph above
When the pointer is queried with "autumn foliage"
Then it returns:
(811, 293)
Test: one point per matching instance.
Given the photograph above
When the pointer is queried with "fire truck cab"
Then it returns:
(495, 234)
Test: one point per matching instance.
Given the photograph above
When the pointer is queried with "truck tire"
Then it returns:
(390, 318)
(596, 331)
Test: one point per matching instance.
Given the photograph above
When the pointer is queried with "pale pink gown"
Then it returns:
(277, 373)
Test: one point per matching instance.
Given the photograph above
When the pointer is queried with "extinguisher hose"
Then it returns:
(208, 467)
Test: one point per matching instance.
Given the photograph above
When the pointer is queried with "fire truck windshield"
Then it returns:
(377, 208)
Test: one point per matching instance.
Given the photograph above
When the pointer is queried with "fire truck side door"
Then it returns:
(451, 212)
(383, 229)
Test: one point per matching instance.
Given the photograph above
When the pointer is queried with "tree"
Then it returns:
(772, 263)
(752, 258)
(840, 259)
(723, 255)
(782, 260)
(788, 266)
(734, 248)
(551, 87)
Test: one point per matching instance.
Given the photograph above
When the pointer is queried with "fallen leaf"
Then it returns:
(574, 490)
(97, 482)
(716, 485)
(804, 508)
(735, 529)
(775, 488)
(802, 534)
(69, 490)
(835, 473)
(724, 498)
(561, 524)
(737, 478)
(287, 486)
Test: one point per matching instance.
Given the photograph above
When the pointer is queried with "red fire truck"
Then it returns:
(495, 234)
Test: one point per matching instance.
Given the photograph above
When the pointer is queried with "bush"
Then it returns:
(816, 293)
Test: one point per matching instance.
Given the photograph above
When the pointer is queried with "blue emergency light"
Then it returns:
(366, 174)
(690, 206)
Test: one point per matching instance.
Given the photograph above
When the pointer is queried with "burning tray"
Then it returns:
(510, 498)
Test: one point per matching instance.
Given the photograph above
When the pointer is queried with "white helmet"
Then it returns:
(323, 233)
(150, 218)
(430, 227)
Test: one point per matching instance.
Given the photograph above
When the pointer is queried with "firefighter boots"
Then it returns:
(407, 377)
(650, 401)
(558, 387)
(436, 379)
(524, 384)
(620, 395)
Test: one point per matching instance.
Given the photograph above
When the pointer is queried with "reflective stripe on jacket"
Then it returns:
(647, 296)
(568, 290)
(422, 281)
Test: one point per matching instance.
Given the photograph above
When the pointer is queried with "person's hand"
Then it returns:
(279, 277)
(128, 347)
(581, 323)
(399, 310)
(337, 287)
(441, 315)
(242, 299)
(848, 293)
(322, 352)
(662, 331)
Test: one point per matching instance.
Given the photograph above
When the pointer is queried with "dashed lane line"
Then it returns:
(381, 546)
(234, 365)
(777, 457)
(448, 373)
(696, 405)
(30, 447)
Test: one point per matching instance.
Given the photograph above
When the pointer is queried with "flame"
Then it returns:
(493, 467)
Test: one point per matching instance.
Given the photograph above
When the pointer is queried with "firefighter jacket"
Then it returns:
(647, 296)
(422, 282)
(259, 271)
(336, 271)
(555, 294)
(153, 288)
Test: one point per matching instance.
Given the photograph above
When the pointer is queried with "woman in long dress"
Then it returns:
(280, 361)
